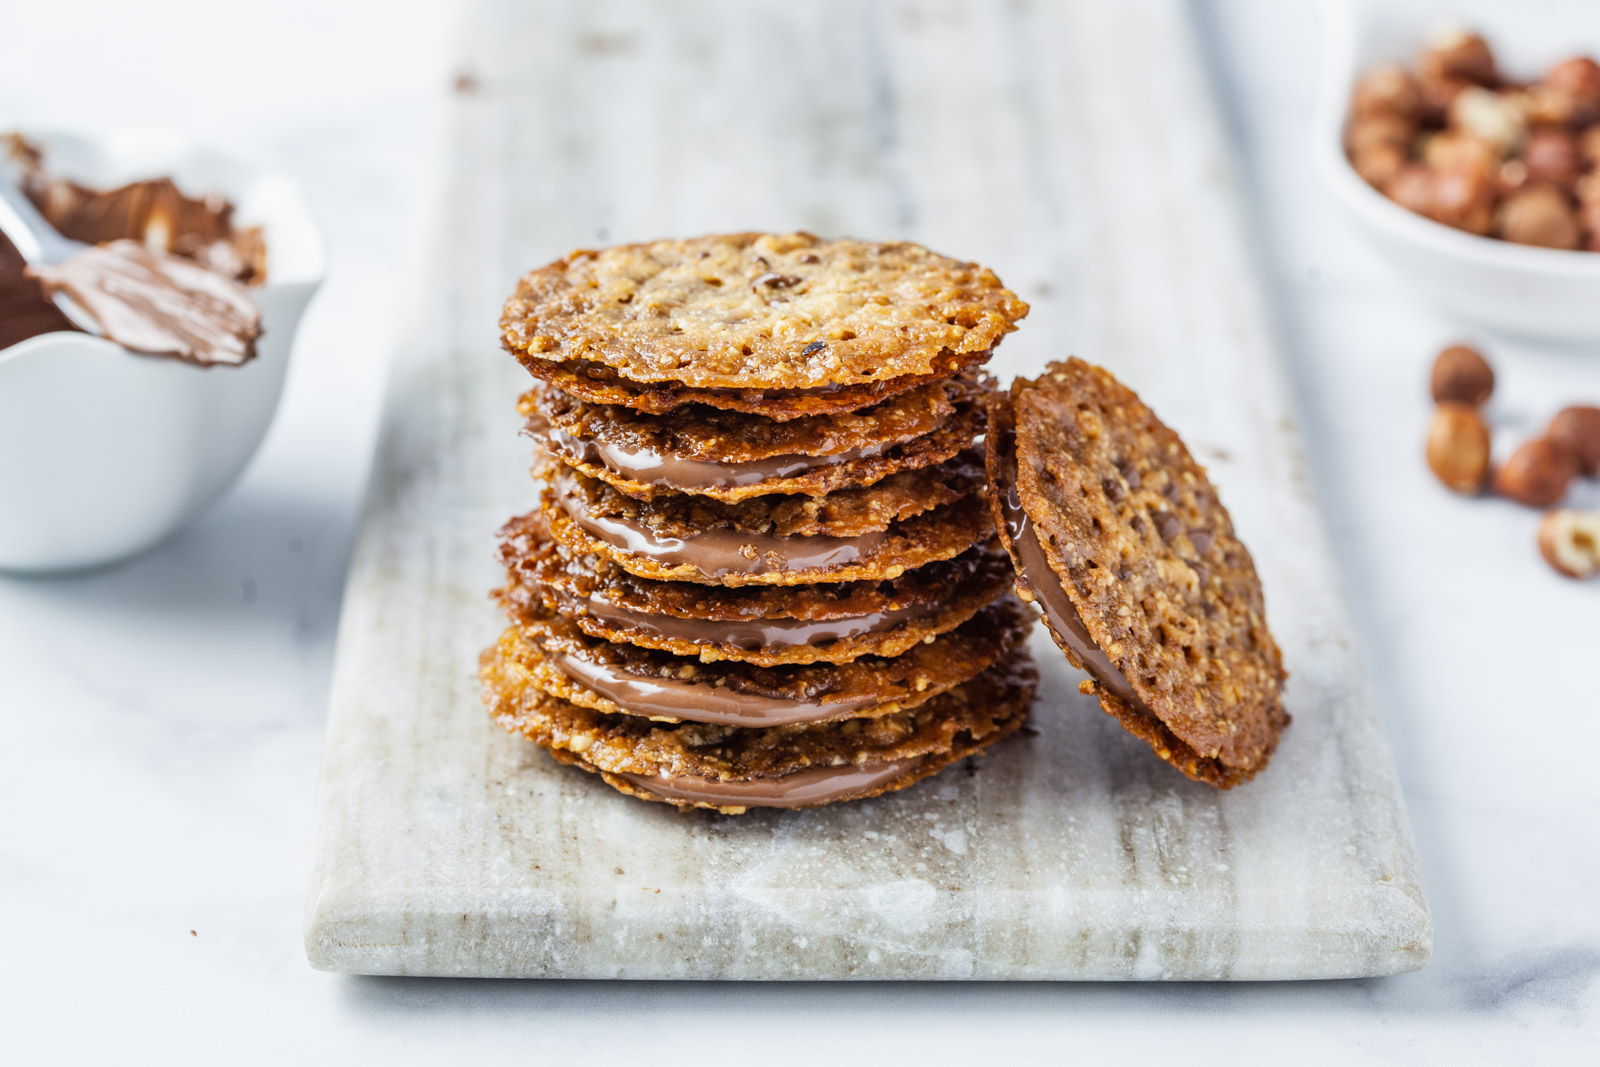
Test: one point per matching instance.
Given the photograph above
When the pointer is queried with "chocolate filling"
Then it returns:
(696, 701)
(748, 634)
(1046, 586)
(718, 552)
(814, 785)
(649, 467)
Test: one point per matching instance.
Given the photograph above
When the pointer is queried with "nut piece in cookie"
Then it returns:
(1117, 534)
(760, 311)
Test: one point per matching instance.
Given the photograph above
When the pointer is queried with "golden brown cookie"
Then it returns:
(843, 513)
(768, 625)
(602, 385)
(584, 518)
(760, 311)
(537, 565)
(626, 679)
(732, 768)
(1119, 536)
(730, 456)
(640, 475)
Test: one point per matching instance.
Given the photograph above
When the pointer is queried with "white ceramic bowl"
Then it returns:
(104, 453)
(1519, 289)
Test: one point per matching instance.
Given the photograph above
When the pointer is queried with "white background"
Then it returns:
(160, 724)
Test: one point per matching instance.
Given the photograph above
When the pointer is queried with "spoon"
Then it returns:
(41, 245)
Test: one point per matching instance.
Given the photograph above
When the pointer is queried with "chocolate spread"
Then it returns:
(718, 552)
(1045, 585)
(157, 303)
(697, 701)
(747, 634)
(649, 467)
(814, 785)
(154, 213)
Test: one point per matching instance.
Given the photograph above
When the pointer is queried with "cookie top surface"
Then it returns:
(751, 310)
(1136, 538)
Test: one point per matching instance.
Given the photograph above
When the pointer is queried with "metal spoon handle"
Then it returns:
(31, 233)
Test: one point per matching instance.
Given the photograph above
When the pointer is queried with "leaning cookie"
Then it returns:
(1119, 537)
(730, 769)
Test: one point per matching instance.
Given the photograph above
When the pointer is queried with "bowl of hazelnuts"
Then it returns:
(1469, 152)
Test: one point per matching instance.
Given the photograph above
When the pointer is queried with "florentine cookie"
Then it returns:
(802, 627)
(625, 679)
(537, 564)
(842, 513)
(578, 515)
(731, 768)
(601, 385)
(701, 433)
(760, 311)
(1119, 537)
(648, 476)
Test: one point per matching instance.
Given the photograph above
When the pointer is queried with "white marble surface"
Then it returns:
(160, 726)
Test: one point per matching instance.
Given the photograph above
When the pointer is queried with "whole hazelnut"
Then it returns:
(1538, 214)
(1458, 447)
(1488, 116)
(1438, 93)
(1379, 164)
(1464, 199)
(1414, 188)
(1374, 131)
(1577, 429)
(1569, 541)
(1589, 146)
(1537, 474)
(1551, 155)
(1577, 79)
(1386, 90)
(1462, 375)
(1458, 150)
(1456, 51)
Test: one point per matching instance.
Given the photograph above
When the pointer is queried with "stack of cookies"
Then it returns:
(763, 571)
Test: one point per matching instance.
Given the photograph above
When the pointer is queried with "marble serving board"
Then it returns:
(1073, 147)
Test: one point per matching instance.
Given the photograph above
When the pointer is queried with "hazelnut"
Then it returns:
(1577, 429)
(1457, 150)
(1488, 116)
(1551, 155)
(1458, 447)
(1438, 93)
(1386, 90)
(1465, 200)
(1512, 175)
(1379, 164)
(1578, 80)
(1455, 51)
(1413, 188)
(1589, 146)
(1462, 375)
(1377, 131)
(1538, 215)
(1569, 541)
(1537, 474)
